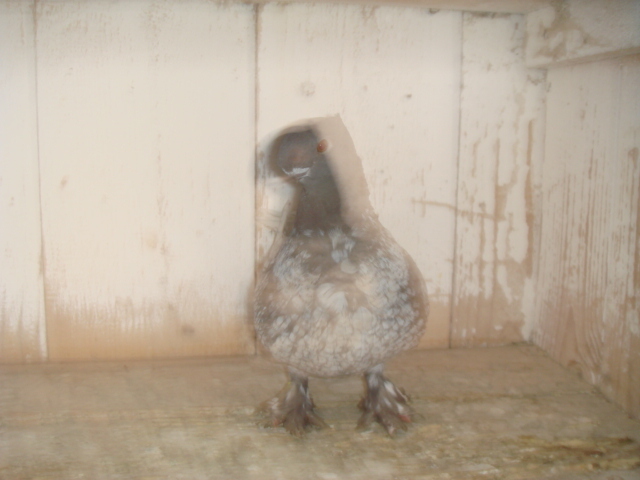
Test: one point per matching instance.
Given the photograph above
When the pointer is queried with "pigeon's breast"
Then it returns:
(334, 303)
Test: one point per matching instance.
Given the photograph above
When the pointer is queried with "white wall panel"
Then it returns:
(393, 74)
(22, 327)
(146, 144)
(587, 312)
(501, 142)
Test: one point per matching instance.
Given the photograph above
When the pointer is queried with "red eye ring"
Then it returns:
(323, 146)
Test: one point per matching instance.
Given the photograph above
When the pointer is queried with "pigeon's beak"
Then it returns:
(299, 173)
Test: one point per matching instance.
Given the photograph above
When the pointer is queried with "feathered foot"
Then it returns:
(293, 407)
(385, 403)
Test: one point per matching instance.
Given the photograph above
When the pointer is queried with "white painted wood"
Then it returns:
(393, 76)
(504, 6)
(146, 142)
(501, 137)
(587, 312)
(579, 30)
(22, 327)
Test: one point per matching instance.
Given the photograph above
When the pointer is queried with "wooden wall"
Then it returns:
(588, 285)
(393, 74)
(130, 216)
(133, 162)
(447, 120)
(587, 281)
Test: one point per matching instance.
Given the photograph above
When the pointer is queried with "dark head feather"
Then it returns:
(300, 155)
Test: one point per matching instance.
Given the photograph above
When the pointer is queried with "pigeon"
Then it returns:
(340, 296)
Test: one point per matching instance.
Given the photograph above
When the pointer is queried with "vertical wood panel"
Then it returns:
(501, 139)
(393, 76)
(22, 328)
(588, 283)
(146, 140)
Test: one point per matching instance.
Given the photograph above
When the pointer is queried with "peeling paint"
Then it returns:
(577, 31)
(501, 108)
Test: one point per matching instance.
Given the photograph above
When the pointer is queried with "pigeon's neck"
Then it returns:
(319, 204)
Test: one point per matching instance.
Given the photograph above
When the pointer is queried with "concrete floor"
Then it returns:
(503, 413)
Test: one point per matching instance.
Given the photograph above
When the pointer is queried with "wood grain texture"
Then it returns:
(588, 283)
(393, 76)
(146, 147)
(501, 138)
(22, 326)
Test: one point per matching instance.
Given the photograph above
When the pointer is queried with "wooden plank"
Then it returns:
(146, 144)
(501, 140)
(393, 76)
(502, 6)
(588, 283)
(498, 413)
(22, 327)
(577, 31)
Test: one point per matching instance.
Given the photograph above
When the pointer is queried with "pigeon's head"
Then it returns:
(301, 155)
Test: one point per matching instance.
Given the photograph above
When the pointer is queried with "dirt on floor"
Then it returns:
(496, 413)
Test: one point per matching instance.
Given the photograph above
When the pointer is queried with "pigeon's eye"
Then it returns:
(323, 146)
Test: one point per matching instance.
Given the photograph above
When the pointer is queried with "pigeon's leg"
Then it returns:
(293, 406)
(384, 402)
